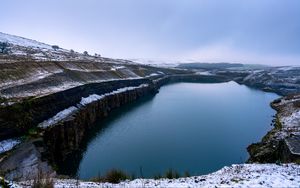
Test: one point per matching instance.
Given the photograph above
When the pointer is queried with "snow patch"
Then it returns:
(154, 74)
(114, 68)
(205, 73)
(94, 97)
(90, 99)
(58, 117)
(9, 144)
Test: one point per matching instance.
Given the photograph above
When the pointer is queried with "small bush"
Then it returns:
(112, 176)
(97, 55)
(4, 48)
(170, 174)
(115, 176)
(85, 53)
(55, 47)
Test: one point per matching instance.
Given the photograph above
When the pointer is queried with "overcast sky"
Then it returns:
(246, 31)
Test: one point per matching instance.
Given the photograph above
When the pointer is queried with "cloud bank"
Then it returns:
(266, 32)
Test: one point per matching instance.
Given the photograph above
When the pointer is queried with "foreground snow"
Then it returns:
(243, 175)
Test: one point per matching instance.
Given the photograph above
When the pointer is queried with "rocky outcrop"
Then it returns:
(281, 144)
(26, 162)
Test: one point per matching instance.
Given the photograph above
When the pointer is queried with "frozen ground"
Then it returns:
(243, 175)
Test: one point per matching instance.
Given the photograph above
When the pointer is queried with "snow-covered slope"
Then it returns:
(19, 47)
(20, 41)
(31, 68)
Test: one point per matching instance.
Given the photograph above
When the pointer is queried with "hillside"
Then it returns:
(30, 69)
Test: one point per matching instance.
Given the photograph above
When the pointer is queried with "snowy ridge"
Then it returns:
(9, 144)
(60, 116)
(20, 41)
(242, 175)
(23, 47)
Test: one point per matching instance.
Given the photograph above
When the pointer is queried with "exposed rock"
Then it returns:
(281, 144)
(26, 162)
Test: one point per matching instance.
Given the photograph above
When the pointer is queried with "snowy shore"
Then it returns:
(242, 175)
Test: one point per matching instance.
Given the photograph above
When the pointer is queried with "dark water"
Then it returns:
(187, 127)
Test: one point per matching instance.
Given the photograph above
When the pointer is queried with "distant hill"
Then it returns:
(209, 65)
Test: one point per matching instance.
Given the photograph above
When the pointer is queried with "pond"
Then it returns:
(191, 127)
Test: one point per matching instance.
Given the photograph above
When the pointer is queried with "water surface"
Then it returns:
(187, 127)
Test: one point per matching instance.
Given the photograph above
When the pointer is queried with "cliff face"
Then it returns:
(18, 118)
(67, 136)
(56, 142)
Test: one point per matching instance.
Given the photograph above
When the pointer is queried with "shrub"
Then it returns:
(4, 48)
(55, 47)
(85, 53)
(97, 55)
(170, 174)
(112, 176)
(115, 176)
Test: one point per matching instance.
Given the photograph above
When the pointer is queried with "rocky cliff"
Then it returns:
(281, 144)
